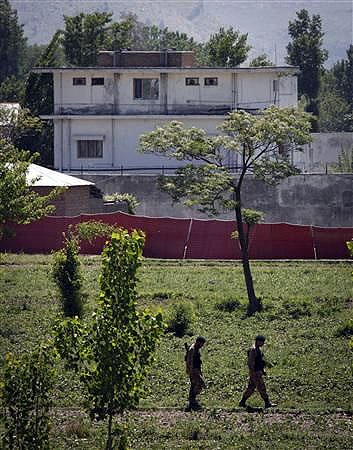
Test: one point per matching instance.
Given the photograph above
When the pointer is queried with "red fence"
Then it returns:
(190, 238)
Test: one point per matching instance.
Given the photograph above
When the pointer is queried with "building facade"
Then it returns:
(100, 112)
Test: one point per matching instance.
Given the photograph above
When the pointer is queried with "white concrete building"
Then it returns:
(100, 112)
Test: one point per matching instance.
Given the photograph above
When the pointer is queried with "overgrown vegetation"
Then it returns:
(305, 304)
(26, 397)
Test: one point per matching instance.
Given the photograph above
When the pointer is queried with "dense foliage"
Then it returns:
(26, 398)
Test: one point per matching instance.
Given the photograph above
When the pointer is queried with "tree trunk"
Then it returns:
(109, 437)
(254, 304)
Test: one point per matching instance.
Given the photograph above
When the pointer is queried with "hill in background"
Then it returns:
(265, 21)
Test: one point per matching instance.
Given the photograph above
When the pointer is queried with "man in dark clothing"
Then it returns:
(256, 366)
(193, 369)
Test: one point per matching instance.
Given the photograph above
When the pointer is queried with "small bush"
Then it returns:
(67, 276)
(227, 305)
(346, 329)
(179, 318)
(26, 399)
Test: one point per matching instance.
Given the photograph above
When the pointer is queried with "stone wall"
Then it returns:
(74, 201)
(315, 199)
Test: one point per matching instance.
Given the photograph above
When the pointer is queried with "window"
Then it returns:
(192, 82)
(211, 81)
(90, 149)
(275, 85)
(146, 88)
(97, 81)
(79, 81)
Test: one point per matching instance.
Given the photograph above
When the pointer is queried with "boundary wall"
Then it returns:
(171, 238)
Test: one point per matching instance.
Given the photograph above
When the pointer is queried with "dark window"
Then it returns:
(192, 82)
(146, 88)
(97, 81)
(90, 149)
(211, 81)
(275, 85)
(79, 81)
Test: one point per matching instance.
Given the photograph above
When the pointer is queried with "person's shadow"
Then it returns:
(253, 409)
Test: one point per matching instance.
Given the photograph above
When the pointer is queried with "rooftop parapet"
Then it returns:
(163, 58)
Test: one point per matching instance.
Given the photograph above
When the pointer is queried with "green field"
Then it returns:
(311, 379)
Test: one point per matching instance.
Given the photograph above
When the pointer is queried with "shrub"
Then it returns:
(124, 197)
(228, 305)
(179, 318)
(67, 276)
(346, 329)
(26, 399)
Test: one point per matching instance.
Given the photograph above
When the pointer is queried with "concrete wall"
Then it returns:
(323, 151)
(319, 199)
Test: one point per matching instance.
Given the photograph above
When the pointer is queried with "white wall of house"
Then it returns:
(244, 89)
(120, 138)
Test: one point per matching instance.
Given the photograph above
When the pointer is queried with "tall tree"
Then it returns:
(39, 99)
(227, 48)
(210, 185)
(343, 73)
(333, 108)
(305, 50)
(84, 35)
(12, 41)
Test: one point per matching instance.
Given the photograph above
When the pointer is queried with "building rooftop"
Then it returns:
(48, 177)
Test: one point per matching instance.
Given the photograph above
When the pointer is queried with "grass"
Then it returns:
(306, 307)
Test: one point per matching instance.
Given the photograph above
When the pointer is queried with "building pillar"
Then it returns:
(116, 93)
(164, 93)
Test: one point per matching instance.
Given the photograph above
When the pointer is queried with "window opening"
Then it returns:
(146, 88)
(90, 149)
(97, 81)
(192, 82)
(79, 81)
(211, 81)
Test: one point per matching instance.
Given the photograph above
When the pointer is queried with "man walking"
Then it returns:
(256, 366)
(193, 369)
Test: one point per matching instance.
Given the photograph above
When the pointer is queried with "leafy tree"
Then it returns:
(39, 99)
(20, 124)
(26, 398)
(19, 203)
(305, 50)
(11, 90)
(84, 35)
(112, 354)
(210, 185)
(261, 61)
(343, 74)
(227, 48)
(12, 41)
